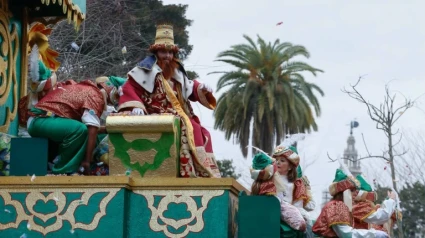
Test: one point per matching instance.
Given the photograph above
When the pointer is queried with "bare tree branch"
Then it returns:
(364, 142)
(110, 26)
(385, 117)
(331, 160)
(372, 156)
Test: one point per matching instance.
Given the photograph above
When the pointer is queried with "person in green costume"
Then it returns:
(266, 172)
(70, 116)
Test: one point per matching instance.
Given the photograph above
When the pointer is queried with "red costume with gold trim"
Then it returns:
(301, 191)
(333, 213)
(147, 89)
(157, 102)
(362, 208)
(70, 101)
(63, 116)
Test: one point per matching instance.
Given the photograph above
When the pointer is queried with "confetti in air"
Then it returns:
(75, 46)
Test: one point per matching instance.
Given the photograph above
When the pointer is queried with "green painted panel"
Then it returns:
(143, 213)
(213, 221)
(216, 218)
(257, 212)
(109, 225)
(162, 146)
(31, 160)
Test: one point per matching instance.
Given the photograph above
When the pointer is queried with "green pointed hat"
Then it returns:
(342, 182)
(363, 184)
(339, 176)
(262, 167)
(293, 148)
(117, 81)
(261, 161)
(111, 81)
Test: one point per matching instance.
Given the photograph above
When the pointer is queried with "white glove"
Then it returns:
(110, 109)
(138, 111)
(206, 87)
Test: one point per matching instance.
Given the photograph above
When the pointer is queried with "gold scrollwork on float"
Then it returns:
(9, 49)
(185, 197)
(61, 214)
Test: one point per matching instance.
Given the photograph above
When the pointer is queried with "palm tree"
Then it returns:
(268, 88)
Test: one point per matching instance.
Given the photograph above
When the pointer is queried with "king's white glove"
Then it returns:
(110, 108)
(206, 87)
(138, 111)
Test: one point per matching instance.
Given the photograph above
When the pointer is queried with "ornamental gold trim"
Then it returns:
(24, 50)
(73, 12)
(120, 181)
(35, 195)
(141, 124)
(185, 197)
(9, 50)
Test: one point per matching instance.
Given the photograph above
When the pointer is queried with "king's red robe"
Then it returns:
(165, 97)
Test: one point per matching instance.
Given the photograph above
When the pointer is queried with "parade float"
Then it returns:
(141, 197)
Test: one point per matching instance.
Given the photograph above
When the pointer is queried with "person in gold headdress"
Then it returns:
(158, 85)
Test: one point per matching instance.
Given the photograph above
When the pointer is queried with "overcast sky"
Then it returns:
(384, 40)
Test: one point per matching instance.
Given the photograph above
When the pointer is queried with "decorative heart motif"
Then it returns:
(191, 206)
(7, 213)
(177, 197)
(58, 198)
(173, 209)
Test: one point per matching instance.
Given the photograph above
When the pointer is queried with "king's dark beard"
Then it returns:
(168, 67)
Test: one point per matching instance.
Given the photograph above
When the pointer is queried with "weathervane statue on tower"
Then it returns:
(353, 124)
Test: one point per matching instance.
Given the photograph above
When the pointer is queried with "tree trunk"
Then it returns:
(391, 154)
